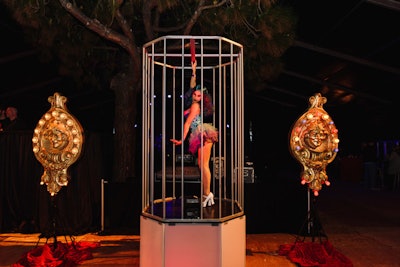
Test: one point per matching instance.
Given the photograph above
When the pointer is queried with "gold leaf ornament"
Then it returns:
(314, 143)
(57, 143)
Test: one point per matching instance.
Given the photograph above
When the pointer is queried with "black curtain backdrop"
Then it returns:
(26, 206)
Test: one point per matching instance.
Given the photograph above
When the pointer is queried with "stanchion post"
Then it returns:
(102, 204)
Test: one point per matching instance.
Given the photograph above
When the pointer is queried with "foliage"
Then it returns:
(82, 55)
(97, 43)
(265, 28)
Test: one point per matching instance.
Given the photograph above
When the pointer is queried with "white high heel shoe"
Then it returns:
(209, 200)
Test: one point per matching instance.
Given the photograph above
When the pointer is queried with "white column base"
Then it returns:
(202, 244)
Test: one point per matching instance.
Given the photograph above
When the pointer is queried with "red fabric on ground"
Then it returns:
(65, 255)
(321, 254)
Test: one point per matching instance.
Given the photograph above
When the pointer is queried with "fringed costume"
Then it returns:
(200, 134)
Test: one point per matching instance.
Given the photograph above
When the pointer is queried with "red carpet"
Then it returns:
(65, 255)
(321, 254)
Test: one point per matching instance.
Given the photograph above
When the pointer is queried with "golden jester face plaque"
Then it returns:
(57, 143)
(314, 143)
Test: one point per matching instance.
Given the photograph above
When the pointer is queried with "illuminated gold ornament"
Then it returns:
(314, 143)
(57, 143)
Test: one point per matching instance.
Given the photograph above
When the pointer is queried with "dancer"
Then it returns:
(203, 135)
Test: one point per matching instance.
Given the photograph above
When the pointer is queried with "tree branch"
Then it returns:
(146, 10)
(198, 12)
(126, 29)
(99, 28)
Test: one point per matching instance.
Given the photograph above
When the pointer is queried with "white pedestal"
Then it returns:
(221, 244)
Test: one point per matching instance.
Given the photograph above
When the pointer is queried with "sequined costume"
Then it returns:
(199, 131)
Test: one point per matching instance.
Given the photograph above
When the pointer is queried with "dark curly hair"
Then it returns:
(208, 107)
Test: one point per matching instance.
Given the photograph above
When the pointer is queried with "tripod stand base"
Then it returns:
(312, 226)
(52, 225)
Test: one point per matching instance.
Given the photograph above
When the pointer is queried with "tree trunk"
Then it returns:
(124, 126)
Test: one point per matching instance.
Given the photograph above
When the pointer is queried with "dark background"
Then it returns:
(346, 50)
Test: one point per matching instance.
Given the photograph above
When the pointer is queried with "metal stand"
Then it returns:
(102, 232)
(314, 227)
(52, 227)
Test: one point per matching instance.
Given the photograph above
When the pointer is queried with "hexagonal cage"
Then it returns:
(172, 181)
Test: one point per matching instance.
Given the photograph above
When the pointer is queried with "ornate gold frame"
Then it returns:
(314, 143)
(57, 143)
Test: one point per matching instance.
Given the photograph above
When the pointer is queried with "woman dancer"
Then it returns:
(203, 135)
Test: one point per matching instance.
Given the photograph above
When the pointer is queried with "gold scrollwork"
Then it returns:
(314, 143)
(57, 143)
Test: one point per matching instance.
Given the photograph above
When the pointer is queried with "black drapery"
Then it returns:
(26, 206)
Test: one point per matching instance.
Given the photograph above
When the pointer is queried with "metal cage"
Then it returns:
(171, 188)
